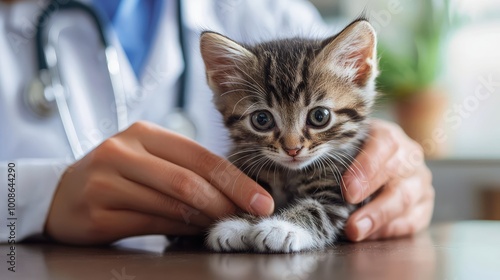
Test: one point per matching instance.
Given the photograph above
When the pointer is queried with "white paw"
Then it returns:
(229, 236)
(274, 235)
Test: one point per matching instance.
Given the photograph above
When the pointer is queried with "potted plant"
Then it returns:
(410, 80)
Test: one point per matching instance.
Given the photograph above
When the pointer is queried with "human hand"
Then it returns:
(147, 180)
(392, 164)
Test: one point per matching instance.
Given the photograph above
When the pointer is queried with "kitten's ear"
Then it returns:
(352, 54)
(224, 59)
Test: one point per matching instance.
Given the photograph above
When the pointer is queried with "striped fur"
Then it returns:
(290, 79)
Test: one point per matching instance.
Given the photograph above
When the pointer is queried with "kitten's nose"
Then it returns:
(293, 151)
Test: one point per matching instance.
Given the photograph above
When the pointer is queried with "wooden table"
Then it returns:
(465, 250)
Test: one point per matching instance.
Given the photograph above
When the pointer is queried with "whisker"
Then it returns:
(349, 164)
(263, 165)
(241, 99)
(339, 179)
(246, 84)
(243, 170)
(249, 93)
(250, 76)
(247, 150)
(249, 107)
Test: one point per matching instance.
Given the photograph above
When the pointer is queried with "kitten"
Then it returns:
(297, 112)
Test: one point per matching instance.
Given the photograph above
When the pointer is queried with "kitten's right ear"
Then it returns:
(224, 59)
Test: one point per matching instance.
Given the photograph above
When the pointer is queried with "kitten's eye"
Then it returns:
(262, 120)
(318, 117)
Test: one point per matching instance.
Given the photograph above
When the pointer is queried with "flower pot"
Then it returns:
(421, 117)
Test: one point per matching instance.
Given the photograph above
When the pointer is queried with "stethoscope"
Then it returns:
(46, 94)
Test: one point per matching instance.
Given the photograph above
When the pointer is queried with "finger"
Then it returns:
(412, 222)
(141, 224)
(136, 197)
(124, 223)
(238, 187)
(178, 183)
(384, 174)
(392, 202)
(368, 171)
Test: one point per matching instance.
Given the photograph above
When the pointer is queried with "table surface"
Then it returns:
(464, 250)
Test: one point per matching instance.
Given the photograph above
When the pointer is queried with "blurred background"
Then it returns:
(440, 80)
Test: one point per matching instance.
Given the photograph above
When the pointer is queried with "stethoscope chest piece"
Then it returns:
(40, 99)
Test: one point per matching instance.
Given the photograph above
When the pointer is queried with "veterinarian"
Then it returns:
(91, 119)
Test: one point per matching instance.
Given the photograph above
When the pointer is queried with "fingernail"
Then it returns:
(364, 226)
(261, 204)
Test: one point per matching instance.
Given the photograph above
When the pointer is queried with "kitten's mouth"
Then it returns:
(296, 159)
(296, 162)
(293, 163)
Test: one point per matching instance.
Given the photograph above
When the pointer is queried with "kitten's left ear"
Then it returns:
(224, 59)
(352, 54)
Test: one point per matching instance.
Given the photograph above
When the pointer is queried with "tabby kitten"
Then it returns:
(296, 110)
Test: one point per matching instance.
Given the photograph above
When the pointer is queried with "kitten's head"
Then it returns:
(294, 100)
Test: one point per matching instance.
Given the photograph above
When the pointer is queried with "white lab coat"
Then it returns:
(39, 147)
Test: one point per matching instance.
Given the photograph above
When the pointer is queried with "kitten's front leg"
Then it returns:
(231, 235)
(306, 225)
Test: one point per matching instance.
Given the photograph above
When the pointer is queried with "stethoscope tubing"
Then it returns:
(47, 13)
(49, 72)
(50, 81)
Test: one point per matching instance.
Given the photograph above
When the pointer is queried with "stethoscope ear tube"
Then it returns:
(178, 120)
(53, 7)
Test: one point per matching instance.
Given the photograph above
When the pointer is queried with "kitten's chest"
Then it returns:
(288, 185)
